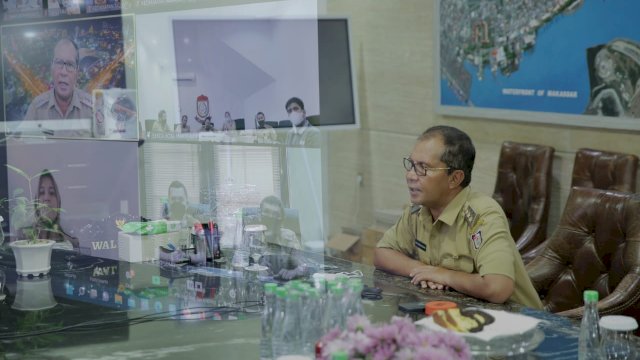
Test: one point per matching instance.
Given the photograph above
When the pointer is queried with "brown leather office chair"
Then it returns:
(605, 170)
(523, 189)
(595, 246)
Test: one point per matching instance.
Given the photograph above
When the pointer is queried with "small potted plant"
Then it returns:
(32, 254)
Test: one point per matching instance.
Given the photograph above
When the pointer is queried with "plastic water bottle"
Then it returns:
(287, 339)
(268, 312)
(353, 298)
(311, 332)
(334, 313)
(589, 341)
(278, 318)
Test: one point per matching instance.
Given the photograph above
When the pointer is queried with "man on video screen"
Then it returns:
(64, 100)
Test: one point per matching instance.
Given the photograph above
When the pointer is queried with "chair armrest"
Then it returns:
(625, 295)
(527, 257)
(527, 240)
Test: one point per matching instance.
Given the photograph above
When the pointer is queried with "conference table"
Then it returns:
(95, 308)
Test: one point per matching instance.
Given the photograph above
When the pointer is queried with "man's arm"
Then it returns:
(395, 262)
(495, 288)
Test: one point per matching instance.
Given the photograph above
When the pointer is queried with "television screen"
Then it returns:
(26, 10)
(92, 183)
(243, 67)
(53, 72)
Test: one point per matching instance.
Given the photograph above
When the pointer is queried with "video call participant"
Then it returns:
(265, 134)
(64, 100)
(302, 132)
(47, 215)
(272, 216)
(183, 127)
(207, 125)
(160, 125)
(453, 237)
(178, 202)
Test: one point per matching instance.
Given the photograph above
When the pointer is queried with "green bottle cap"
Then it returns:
(281, 292)
(339, 355)
(337, 291)
(294, 294)
(312, 293)
(270, 288)
(590, 295)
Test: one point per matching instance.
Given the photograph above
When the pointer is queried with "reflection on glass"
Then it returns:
(33, 294)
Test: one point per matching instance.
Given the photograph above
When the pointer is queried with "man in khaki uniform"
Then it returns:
(453, 237)
(64, 100)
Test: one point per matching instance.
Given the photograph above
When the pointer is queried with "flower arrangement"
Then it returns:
(24, 207)
(398, 340)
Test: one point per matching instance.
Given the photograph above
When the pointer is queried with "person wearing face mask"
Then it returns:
(265, 132)
(272, 216)
(302, 132)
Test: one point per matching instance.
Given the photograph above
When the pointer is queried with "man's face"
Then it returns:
(271, 217)
(163, 117)
(260, 118)
(64, 69)
(296, 114)
(177, 203)
(432, 189)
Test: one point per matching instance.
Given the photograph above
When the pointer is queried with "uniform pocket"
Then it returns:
(457, 262)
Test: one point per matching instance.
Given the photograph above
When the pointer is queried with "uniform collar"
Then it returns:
(75, 101)
(452, 210)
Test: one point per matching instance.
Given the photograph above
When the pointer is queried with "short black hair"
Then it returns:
(175, 184)
(459, 152)
(273, 201)
(294, 100)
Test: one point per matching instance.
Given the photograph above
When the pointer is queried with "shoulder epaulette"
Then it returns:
(40, 100)
(85, 98)
(470, 215)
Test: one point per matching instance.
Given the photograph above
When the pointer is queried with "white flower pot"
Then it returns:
(32, 259)
(33, 294)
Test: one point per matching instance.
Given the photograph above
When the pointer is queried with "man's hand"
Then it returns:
(429, 276)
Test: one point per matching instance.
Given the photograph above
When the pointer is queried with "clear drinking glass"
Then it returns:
(616, 331)
(241, 247)
(254, 239)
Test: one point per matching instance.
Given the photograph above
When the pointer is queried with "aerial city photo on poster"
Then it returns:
(559, 56)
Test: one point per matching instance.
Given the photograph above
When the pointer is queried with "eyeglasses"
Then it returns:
(69, 66)
(421, 169)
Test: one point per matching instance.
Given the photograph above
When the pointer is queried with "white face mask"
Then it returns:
(296, 117)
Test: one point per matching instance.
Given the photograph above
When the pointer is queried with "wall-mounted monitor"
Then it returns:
(93, 183)
(72, 78)
(250, 66)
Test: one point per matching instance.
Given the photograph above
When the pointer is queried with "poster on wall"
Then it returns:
(570, 62)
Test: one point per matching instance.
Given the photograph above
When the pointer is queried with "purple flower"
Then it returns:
(358, 323)
(362, 344)
(399, 340)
